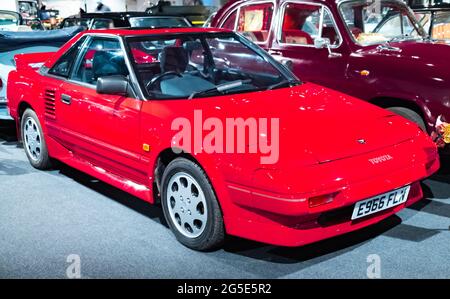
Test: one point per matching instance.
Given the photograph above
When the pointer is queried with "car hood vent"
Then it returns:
(50, 107)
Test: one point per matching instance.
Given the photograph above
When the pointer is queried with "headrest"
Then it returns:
(173, 58)
(192, 46)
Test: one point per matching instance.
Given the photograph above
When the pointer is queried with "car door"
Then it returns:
(253, 20)
(57, 115)
(300, 25)
(104, 129)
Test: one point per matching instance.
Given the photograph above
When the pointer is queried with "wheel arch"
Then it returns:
(208, 166)
(388, 102)
(23, 105)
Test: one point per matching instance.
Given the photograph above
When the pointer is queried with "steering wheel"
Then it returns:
(159, 77)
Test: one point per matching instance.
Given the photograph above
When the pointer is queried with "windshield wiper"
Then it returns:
(220, 88)
(284, 83)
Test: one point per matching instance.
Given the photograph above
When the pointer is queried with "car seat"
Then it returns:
(291, 32)
(173, 58)
(108, 63)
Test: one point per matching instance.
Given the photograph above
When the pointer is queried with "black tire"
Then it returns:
(213, 233)
(409, 114)
(42, 160)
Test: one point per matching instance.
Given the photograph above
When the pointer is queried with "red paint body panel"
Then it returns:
(103, 135)
(417, 73)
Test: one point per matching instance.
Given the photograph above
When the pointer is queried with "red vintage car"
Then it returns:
(291, 163)
(373, 50)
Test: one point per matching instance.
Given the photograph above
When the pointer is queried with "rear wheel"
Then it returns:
(409, 114)
(33, 141)
(190, 206)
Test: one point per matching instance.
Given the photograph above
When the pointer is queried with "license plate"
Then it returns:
(380, 202)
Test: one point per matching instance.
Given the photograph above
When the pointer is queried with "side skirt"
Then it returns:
(57, 151)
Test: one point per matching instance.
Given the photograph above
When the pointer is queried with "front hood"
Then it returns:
(426, 52)
(317, 122)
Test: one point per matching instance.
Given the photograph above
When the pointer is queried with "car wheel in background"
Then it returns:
(33, 141)
(409, 114)
(190, 206)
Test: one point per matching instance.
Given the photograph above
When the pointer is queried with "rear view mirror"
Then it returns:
(114, 85)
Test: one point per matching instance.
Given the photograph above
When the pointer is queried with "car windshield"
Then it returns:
(157, 22)
(204, 64)
(8, 19)
(375, 22)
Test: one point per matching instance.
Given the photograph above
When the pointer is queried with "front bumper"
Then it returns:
(290, 221)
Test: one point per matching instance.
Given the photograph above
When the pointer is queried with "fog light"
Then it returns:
(322, 199)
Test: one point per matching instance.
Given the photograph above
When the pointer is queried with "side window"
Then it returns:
(254, 21)
(230, 22)
(329, 30)
(397, 24)
(63, 66)
(302, 25)
(100, 57)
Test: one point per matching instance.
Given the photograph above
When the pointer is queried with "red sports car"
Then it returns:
(228, 140)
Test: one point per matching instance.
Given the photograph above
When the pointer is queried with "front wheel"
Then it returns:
(33, 141)
(190, 206)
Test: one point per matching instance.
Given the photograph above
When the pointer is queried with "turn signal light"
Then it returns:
(321, 200)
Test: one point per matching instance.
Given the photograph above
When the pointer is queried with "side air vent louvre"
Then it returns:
(50, 108)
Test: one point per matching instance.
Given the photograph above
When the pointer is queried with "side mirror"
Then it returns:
(114, 85)
(288, 64)
(321, 43)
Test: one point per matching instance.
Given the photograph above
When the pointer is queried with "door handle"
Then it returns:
(66, 99)
(273, 52)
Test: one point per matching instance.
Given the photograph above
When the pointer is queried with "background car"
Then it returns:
(374, 62)
(109, 105)
(14, 43)
(197, 15)
(13, 21)
(124, 20)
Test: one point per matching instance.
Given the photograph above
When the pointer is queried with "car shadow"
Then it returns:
(8, 131)
(138, 205)
(330, 247)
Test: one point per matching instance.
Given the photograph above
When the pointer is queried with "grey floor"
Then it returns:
(47, 216)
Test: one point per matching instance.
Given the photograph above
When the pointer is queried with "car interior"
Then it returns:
(301, 22)
(102, 58)
(255, 20)
(178, 68)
